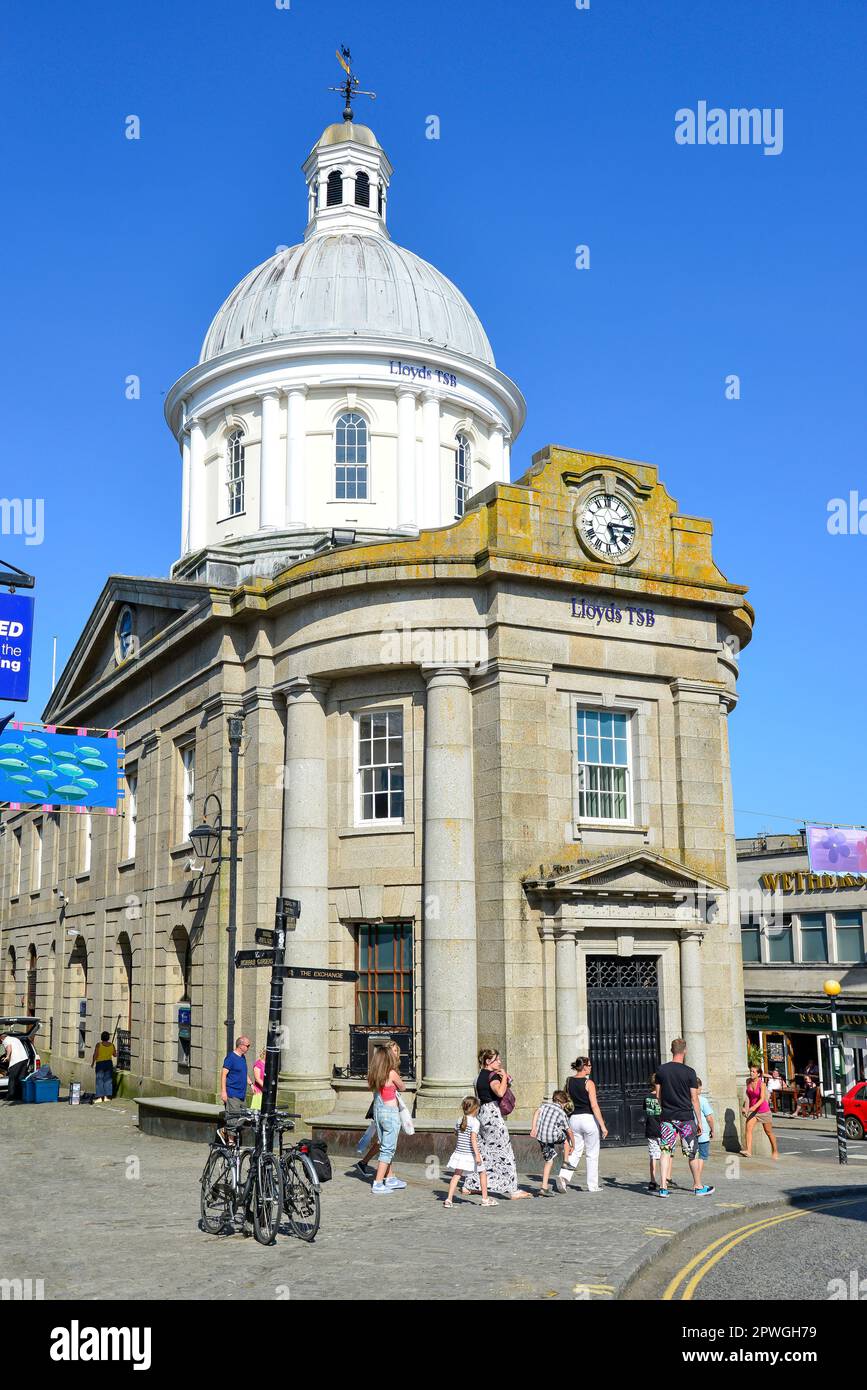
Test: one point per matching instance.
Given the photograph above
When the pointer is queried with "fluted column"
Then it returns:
(566, 968)
(296, 499)
(305, 1070)
(449, 985)
(692, 1000)
(198, 497)
(271, 501)
(185, 494)
(432, 482)
(407, 511)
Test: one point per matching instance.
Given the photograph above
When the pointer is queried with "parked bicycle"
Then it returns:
(246, 1181)
(300, 1181)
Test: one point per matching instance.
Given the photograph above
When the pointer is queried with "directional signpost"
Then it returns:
(270, 950)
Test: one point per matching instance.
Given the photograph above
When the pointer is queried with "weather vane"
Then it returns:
(350, 87)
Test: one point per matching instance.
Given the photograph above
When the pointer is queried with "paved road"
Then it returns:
(814, 1252)
(97, 1210)
(820, 1147)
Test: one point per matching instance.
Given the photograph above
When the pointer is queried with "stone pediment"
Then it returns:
(633, 872)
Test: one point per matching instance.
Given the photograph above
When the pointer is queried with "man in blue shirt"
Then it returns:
(233, 1086)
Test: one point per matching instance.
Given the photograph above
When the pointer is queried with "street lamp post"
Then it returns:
(832, 989)
(208, 843)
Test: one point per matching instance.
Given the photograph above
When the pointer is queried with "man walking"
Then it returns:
(234, 1081)
(677, 1092)
(16, 1062)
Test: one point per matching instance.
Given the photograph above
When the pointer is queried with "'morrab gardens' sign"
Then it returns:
(613, 613)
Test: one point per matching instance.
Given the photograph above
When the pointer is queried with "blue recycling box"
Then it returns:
(40, 1090)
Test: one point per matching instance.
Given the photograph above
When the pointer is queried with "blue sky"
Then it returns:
(557, 129)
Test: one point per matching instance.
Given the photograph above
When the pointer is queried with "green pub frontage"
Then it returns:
(799, 929)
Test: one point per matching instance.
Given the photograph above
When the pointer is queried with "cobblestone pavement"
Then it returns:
(96, 1210)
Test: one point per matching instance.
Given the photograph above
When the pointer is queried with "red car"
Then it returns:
(855, 1110)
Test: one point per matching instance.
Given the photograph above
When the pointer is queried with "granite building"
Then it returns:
(485, 723)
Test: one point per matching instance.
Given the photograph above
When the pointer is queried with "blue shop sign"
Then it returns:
(16, 641)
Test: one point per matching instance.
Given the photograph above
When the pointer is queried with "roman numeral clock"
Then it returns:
(607, 526)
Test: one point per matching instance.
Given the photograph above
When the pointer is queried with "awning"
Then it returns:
(795, 1016)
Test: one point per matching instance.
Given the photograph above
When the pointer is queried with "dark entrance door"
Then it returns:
(623, 1022)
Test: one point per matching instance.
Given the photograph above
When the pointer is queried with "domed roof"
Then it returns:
(343, 131)
(346, 284)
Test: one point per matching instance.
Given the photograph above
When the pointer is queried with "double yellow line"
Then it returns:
(687, 1280)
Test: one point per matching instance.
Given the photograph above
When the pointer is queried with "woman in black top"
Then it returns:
(586, 1123)
(494, 1142)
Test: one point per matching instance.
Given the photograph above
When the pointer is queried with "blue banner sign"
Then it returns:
(16, 641)
(73, 770)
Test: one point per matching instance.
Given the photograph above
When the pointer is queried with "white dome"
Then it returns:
(343, 284)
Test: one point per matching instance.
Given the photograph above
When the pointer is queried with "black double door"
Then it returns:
(623, 1023)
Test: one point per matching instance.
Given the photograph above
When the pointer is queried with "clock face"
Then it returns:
(607, 526)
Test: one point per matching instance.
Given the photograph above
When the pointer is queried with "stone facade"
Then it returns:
(489, 637)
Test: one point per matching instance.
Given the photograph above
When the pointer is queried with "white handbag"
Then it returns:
(406, 1121)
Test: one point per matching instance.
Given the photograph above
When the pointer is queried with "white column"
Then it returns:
(692, 1000)
(449, 985)
(198, 497)
(296, 499)
(566, 987)
(304, 1061)
(507, 458)
(271, 502)
(185, 494)
(407, 510)
(495, 456)
(432, 496)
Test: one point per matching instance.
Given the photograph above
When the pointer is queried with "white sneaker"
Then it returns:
(394, 1183)
(381, 1189)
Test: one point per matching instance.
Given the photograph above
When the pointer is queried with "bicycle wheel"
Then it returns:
(216, 1193)
(267, 1198)
(301, 1197)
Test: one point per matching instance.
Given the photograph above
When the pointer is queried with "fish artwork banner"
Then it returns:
(837, 849)
(60, 770)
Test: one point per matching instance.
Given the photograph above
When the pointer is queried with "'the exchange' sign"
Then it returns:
(16, 641)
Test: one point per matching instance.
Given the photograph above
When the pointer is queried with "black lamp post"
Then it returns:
(206, 840)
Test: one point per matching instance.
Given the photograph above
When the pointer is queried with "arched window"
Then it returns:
(335, 189)
(362, 190)
(235, 471)
(380, 201)
(350, 479)
(124, 636)
(462, 474)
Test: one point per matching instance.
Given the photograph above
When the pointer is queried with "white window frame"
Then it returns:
(584, 706)
(188, 789)
(16, 877)
(86, 842)
(131, 811)
(358, 770)
(236, 472)
(351, 501)
(840, 912)
(463, 485)
(36, 855)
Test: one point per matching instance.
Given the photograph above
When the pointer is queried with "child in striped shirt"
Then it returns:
(467, 1156)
